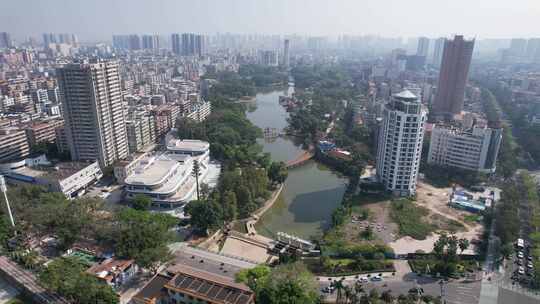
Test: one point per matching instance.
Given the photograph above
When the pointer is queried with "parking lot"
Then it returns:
(521, 268)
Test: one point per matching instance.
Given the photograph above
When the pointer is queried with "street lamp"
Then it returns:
(3, 188)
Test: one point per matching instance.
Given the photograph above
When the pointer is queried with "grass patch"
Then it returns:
(344, 267)
(472, 218)
(442, 223)
(410, 219)
(366, 198)
(429, 266)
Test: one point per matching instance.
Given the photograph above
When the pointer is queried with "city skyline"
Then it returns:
(319, 17)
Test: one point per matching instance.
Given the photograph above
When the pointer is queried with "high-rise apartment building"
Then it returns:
(268, 58)
(93, 112)
(518, 47)
(286, 58)
(473, 149)
(13, 144)
(399, 145)
(5, 40)
(533, 49)
(49, 38)
(453, 76)
(423, 46)
(192, 44)
(150, 42)
(438, 51)
(134, 42)
(176, 44)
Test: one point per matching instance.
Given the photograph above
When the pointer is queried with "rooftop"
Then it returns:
(109, 268)
(58, 171)
(406, 95)
(153, 289)
(218, 289)
(188, 145)
(152, 170)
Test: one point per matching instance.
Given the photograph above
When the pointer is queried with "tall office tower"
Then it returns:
(423, 46)
(437, 52)
(5, 40)
(400, 143)
(286, 58)
(453, 76)
(93, 111)
(176, 44)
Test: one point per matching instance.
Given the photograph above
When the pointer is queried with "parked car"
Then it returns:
(376, 279)
(363, 280)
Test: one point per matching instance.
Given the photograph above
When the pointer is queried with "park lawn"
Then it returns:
(410, 219)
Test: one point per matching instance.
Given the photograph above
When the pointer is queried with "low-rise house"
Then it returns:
(113, 271)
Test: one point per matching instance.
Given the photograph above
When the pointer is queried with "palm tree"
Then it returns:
(195, 172)
(387, 296)
(463, 245)
(338, 285)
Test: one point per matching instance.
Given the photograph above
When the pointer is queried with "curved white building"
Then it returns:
(166, 177)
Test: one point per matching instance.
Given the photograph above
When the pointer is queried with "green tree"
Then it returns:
(141, 202)
(204, 215)
(246, 205)
(67, 276)
(284, 284)
(196, 172)
(387, 297)
(143, 236)
(278, 172)
(230, 206)
(463, 244)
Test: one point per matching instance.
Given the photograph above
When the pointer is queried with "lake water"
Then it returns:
(311, 191)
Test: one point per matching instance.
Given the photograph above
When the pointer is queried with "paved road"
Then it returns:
(7, 292)
(454, 292)
(28, 280)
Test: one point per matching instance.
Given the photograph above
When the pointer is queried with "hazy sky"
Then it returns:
(98, 19)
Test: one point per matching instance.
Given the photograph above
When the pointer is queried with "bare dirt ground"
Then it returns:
(446, 218)
(436, 200)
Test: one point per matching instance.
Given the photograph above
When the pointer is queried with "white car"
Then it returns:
(530, 265)
(520, 255)
(363, 280)
(521, 270)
